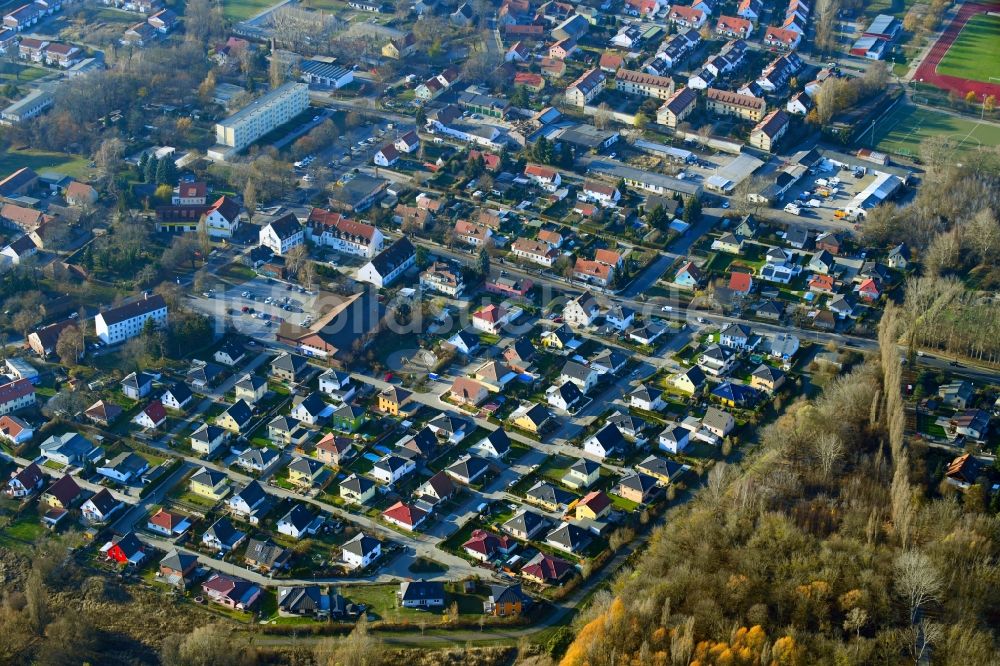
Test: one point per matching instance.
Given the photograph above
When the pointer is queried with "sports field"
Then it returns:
(905, 127)
(241, 10)
(975, 54)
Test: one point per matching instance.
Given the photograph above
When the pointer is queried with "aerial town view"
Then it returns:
(499, 332)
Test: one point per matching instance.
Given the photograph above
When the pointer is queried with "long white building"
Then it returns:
(127, 321)
(262, 115)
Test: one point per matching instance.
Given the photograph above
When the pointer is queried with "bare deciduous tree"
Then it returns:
(917, 580)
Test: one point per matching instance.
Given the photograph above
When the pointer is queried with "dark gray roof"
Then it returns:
(526, 521)
(134, 309)
(240, 411)
(421, 589)
(252, 493)
(569, 536)
(266, 552)
(549, 494)
(361, 544)
(469, 467)
(393, 256)
(661, 466)
(286, 226)
(290, 363)
(299, 517)
(357, 484)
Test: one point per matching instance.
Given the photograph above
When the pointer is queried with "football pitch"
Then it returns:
(975, 54)
(902, 131)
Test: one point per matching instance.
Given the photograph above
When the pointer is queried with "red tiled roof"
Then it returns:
(540, 171)
(689, 14)
(740, 282)
(190, 190)
(547, 568)
(734, 24)
(596, 500)
(166, 520)
(781, 35)
(155, 411)
(345, 225)
(593, 268)
(528, 79)
(11, 426)
(490, 313)
(404, 513)
(15, 390)
(611, 60)
(609, 257)
(486, 543)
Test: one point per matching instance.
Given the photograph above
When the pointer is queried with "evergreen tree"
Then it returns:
(166, 172)
(149, 171)
(484, 262)
(657, 218)
(692, 210)
(143, 161)
(565, 160)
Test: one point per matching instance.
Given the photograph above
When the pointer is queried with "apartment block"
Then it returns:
(262, 115)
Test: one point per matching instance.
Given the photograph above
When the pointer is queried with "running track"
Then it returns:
(928, 68)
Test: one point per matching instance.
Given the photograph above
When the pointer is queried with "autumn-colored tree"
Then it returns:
(970, 97)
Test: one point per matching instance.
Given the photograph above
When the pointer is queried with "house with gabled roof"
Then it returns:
(468, 469)
(607, 442)
(152, 416)
(357, 489)
(361, 551)
(222, 536)
(251, 503)
(168, 523)
(638, 487)
(63, 493)
(495, 445)
(407, 516)
(125, 549)
(547, 569)
(236, 417)
(569, 538)
(231, 591)
(661, 469)
(100, 507)
(582, 474)
(526, 525)
(486, 546)
(266, 556)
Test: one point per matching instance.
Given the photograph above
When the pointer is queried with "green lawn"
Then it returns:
(902, 131)
(21, 534)
(240, 10)
(17, 73)
(115, 16)
(40, 160)
(975, 54)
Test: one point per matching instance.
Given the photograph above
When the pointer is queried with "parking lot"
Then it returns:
(257, 307)
(811, 189)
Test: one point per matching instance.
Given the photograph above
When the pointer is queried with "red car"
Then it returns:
(388, 377)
